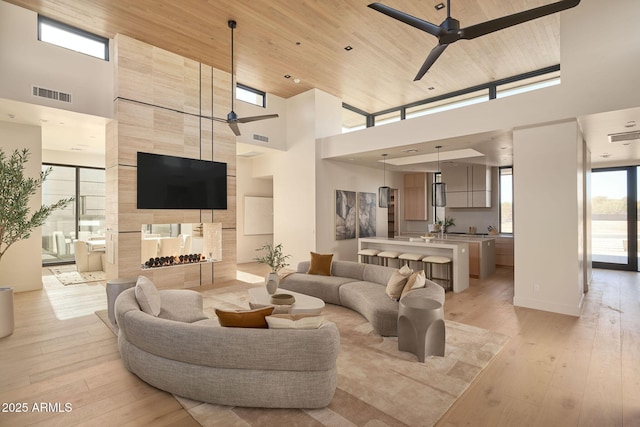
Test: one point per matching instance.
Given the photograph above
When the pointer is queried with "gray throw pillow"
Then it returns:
(148, 296)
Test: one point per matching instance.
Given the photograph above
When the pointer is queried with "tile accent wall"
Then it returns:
(161, 102)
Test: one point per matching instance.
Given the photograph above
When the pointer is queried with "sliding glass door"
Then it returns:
(82, 219)
(614, 227)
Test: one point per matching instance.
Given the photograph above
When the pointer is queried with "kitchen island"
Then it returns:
(482, 253)
(458, 251)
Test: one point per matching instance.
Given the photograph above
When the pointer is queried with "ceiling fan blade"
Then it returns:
(515, 19)
(433, 55)
(418, 23)
(256, 118)
(234, 128)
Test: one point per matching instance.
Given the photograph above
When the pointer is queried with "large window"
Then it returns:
(509, 86)
(81, 220)
(250, 95)
(506, 200)
(63, 35)
(613, 218)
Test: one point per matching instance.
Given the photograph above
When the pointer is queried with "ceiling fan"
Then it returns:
(449, 30)
(232, 118)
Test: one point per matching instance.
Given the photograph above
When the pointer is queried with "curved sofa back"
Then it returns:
(354, 270)
(207, 344)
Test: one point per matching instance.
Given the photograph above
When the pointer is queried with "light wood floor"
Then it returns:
(555, 370)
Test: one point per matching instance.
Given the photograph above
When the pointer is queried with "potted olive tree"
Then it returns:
(16, 220)
(275, 259)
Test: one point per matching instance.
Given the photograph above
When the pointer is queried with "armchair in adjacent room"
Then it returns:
(85, 259)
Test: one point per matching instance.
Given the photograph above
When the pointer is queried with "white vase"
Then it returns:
(271, 282)
(6, 312)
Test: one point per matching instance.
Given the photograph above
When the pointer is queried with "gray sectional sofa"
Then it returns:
(185, 353)
(360, 287)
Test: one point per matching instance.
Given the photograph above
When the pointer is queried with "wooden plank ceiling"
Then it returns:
(306, 40)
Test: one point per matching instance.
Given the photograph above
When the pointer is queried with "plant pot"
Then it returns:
(6, 312)
(271, 282)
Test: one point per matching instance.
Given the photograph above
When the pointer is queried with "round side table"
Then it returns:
(421, 328)
(114, 288)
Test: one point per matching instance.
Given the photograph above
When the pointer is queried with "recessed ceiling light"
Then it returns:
(298, 43)
(605, 155)
(348, 48)
(630, 124)
(12, 116)
(431, 88)
(287, 76)
(410, 150)
(439, 6)
(296, 81)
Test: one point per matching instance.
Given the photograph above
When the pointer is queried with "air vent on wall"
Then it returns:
(51, 94)
(260, 137)
(624, 136)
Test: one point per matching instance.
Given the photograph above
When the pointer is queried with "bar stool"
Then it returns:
(385, 256)
(367, 254)
(408, 257)
(432, 260)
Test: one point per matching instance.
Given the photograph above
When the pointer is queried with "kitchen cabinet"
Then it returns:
(504, 251)
(474, 259)
(415, 196)
(468, 186)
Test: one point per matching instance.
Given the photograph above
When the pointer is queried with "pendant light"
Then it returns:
(384, 191)
(439, 193)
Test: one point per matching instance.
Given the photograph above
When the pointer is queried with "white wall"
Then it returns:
(73, 158)
(25, 61)
(296, 180)
(332, 176)
(549, 208)
(20, 267)
(248, 185)
(275, 129)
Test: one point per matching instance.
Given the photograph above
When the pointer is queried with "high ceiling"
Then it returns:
(306, 40)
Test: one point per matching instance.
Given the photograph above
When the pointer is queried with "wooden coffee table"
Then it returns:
(304, 304)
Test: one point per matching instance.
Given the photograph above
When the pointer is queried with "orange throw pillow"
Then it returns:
(320, 264)
(244, 319)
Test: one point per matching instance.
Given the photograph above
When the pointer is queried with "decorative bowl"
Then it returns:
(282, 299)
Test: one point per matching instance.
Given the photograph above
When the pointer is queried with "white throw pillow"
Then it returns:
(405, 270)
(148, 296)
(416, 280)
(397, 282)
(294, 321)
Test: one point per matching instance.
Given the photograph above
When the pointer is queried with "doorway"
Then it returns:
(614, 218)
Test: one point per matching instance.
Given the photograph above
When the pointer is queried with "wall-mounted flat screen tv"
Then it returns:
(168, 182)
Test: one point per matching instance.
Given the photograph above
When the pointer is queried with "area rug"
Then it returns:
(68, 275)
(377, 384)
(104, 316)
